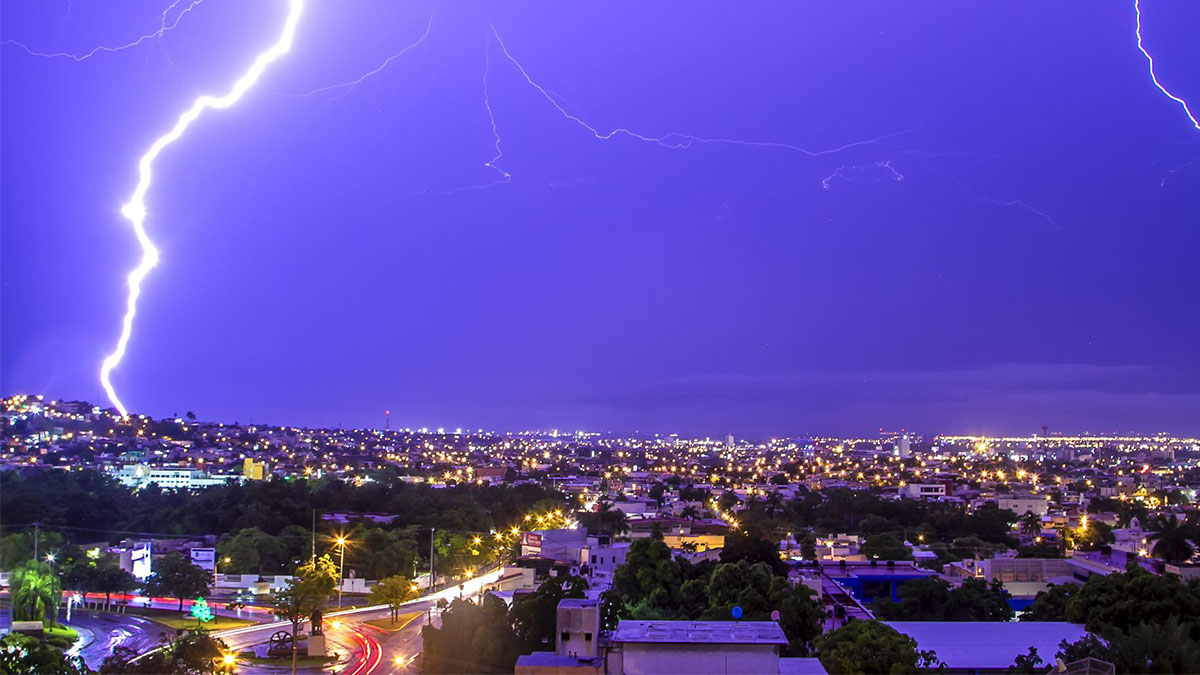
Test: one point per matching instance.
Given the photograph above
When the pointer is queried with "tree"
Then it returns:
(386, 553)
(458, 553)
(35, 592)
(315, 582)
(1095, 535)
(649, 581)
(191, 416)
(871, 647)
(1171, 540)
(885, 547)
(252, 551)
(25, 655)
(1123, 601)
(808, 547)
(534, 616)
(605, 519)
(394, 591)
(18, 547)
(1031, 524)
(758, 591)
(1166, 647)
(1050, 604)
(109, 579)
(474, 638)
(178, 578)
(979, 600)
(1027, 664)
(931, 599)
(752, 547)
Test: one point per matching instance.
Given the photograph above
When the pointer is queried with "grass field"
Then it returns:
(61, 637)
(177, 620)
(386, 624)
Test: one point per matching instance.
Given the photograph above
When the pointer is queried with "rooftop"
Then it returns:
(701, 632)
(968, 645)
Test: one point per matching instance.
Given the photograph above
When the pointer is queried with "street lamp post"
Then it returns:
(216, 567)
(341, 542)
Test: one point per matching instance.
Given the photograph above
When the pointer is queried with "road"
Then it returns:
(369, 650)
(108, 632)
(374, 651)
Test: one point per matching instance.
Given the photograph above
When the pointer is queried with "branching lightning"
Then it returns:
(1150, 64)
(679, 141)
(163, 29)
(505, 176)
(135, 209)
(863, 173)
(347, 87)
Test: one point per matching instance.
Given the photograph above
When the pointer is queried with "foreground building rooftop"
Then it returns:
(700, 632)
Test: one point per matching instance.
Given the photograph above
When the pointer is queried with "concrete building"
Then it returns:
(927, 490)
(576, 643)
(1022, 504)
(866, 581)
(137, 476)
(644, 647)
(254, 470)
(638, 647)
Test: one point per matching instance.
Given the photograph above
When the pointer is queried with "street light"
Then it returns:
(341, 542)
(216, 566)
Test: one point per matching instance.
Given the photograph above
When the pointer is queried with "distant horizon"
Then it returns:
(397, 426)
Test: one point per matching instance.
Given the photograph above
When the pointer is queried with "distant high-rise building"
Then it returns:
(729, 440)
(903, 446)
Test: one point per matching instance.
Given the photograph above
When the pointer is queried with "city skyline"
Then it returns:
(490, 217)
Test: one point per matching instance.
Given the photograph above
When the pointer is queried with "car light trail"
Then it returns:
(135, 209)
(1137, 9)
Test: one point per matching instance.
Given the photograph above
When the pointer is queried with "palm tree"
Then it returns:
(1171, 540)
(611, 521)
(35, 592)
(1031, 524)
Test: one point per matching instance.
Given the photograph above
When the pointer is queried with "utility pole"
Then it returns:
(36, 536)
(431, 531)
(314, 538)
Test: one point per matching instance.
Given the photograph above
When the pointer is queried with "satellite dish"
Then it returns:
(775, 615)
(737, 612)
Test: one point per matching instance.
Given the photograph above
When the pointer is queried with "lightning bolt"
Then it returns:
(679, 141)
(505, 176)
(1150, 63)
(350, 85)
(863, 173)
(135, 209)
(162, 30)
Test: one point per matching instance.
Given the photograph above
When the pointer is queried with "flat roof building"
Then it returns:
(695, 647)
(988, 646)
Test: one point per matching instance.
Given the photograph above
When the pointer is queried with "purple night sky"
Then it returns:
(1038, 262)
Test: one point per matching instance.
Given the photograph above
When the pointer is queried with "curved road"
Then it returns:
(375, 651)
